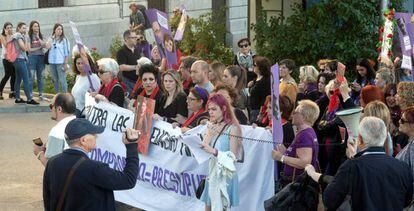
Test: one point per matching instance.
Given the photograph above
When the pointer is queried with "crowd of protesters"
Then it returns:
(195, 92)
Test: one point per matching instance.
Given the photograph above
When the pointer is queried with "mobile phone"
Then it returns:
(38, 142)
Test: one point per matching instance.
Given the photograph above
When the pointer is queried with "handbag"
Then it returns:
(202, 184)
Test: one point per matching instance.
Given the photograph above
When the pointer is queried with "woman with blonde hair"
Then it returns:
(405, 95)
(308, 86)
(173, 104)
(215, 72)
(380, 110)
(304, 148)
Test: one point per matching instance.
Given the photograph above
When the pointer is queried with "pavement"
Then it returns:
(21, 173)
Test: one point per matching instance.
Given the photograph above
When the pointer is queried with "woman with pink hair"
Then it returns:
(223, 137)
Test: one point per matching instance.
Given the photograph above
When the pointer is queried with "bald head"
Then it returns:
(199, 72)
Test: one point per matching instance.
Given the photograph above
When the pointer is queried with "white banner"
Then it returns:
(169, 175)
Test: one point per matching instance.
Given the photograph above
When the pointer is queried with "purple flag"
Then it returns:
(163, 37)
(82, 52)
(406, 36)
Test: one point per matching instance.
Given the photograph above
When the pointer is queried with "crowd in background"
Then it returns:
(196, 92)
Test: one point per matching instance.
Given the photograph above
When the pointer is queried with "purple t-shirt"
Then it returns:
(304, 139)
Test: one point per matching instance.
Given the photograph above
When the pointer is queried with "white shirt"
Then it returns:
(56, 142)
(80, 88)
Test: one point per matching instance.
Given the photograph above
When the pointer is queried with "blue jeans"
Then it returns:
(37, 66)
(22, 73)
(59, 76)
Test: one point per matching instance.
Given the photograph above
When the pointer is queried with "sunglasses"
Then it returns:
(54, 45)
(403, 121)
(244, 46)
(102, 72)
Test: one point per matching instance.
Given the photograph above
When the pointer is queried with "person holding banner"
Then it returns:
(82, 85)
(196, 104)
(223, 136)
(304, 148)
(112, 89)
(150, 89)
(173, 103)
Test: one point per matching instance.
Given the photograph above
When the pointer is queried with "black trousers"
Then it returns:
(8, 73)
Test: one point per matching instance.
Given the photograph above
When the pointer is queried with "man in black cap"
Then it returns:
(72, 181)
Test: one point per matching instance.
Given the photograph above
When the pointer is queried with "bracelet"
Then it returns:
(38, 155)
(282, 159)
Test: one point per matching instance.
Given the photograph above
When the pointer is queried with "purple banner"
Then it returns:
(276, 118)
(277, 127)
(163, 37)
(406, 36)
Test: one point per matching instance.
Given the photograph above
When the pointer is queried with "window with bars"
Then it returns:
(51, 3)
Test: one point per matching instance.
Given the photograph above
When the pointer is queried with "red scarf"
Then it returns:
(152, 96)
(106, 89)
(193, 117)
(334, 101)
(137, 85)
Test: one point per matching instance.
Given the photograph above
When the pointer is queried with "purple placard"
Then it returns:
(277, 127)
(406, 36)
(163, 37)
(181, 26)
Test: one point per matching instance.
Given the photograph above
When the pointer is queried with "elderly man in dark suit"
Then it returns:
(90, 185)
(373, 180)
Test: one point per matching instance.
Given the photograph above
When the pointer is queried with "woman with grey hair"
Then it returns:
(111, 90)
(383, 77)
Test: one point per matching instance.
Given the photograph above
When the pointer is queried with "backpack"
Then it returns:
(11, 52)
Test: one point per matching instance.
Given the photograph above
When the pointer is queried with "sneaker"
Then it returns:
(11, 95)
(1, 97)
(19, 101)
(42, 98)
(32, 102)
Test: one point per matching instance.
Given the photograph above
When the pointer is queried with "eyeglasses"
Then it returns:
(244, 46)
(403, 121)
(140, 38)
(132, 37)
(101, 72)
(192, 99)
(51, 106)
(54, 45)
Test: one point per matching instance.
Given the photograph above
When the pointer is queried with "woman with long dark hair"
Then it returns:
(365, 76)
(9, 73)
(58, 58)
(36, 56)
(20, 65)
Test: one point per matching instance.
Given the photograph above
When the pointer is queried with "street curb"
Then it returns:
(25, 108)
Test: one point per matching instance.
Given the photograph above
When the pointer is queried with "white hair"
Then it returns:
(143, 60)
(373, 131)
(108, 64)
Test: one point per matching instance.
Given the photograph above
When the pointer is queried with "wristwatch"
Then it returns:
(282, 159)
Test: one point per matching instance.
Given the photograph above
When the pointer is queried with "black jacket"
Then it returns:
(377, 182)
(92, 184)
